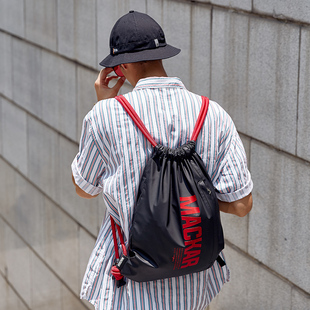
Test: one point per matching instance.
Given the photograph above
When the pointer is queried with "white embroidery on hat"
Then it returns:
(156, 42)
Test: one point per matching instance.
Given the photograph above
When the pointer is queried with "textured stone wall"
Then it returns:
(251, 56)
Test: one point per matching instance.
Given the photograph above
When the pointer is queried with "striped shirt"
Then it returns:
(112, 156)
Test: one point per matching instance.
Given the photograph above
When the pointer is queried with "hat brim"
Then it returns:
(149, 54)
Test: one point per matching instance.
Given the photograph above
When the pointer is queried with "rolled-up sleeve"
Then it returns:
(233, 181)
(88, 166)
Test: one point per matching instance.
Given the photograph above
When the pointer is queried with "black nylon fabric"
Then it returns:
(176, 227)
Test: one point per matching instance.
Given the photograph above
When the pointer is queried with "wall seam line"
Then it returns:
(38, 119)
(298, 90)
(251, 12)
(14, 290)
(265, 267)
(40, 258)
(48, 197)
(43, 48)
(211, 49)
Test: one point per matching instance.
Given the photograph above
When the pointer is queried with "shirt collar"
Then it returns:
(159, 82)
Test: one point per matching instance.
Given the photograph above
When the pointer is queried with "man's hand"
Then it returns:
(102, 84)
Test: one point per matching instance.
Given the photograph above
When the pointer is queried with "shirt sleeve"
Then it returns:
(233, 180)
(88, 167)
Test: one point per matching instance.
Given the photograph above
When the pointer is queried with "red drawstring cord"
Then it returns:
(121, 239)
(114, 237)
(115, 271)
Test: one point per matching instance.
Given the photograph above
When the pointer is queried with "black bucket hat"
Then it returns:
(137, 37)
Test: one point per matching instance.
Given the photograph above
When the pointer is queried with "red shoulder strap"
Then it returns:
(136, 119)
(201, 118)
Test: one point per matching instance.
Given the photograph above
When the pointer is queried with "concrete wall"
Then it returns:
(251, 56)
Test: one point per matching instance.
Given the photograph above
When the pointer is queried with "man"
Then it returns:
(113, 154)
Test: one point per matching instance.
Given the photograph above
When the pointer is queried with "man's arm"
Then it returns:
(80, 192)
(239, 207)
(103, 91)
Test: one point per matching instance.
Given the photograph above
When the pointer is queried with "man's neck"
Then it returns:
(145, 69)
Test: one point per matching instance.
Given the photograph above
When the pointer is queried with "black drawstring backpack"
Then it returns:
(176, 227)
